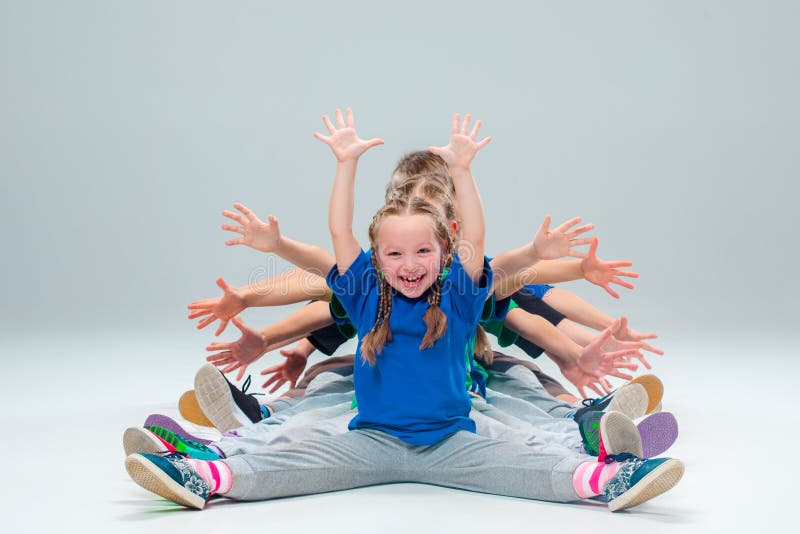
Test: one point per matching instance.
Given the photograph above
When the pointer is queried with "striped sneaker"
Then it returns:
(639, 480)
(170, 476)
(155, 440)
(168, 423)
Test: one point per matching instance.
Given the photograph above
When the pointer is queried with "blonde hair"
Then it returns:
(420, 162)
(436, 321)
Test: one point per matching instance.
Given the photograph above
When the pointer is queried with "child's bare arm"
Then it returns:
(347, 147)
(515, 268)
(266, 237)
(254, 344)
(459, 154)
(591, 268)
(287, 288)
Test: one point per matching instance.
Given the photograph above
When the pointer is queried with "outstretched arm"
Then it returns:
(347, 147)
(515, 268)
(253, 344)
(287, 288)
(591, 268)
(266, 237)
(459, 154)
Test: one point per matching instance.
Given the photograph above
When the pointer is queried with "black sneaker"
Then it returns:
(222, 402)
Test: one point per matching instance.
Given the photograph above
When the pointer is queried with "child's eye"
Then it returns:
(424, 250)
(393, 254)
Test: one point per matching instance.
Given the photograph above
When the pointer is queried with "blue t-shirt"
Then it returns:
(415, 395)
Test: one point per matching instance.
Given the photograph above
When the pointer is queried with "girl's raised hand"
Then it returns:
(598, 361)
(343, 139)
(557, 243)
(222, 308)
(238, 354)
(263, 236)
(603, 273)
(462, 147)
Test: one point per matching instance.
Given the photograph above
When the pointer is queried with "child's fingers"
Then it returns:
(271, 380)
(339, 118)
(237, 241)
(277, 385)
(576, 254)
(644, 361)
(650, 348)
(328, 124)
(238, 217)
(484, 142)
(579, 242)
(247, 212)
(582, 230)
(324, 138)
(615, 264)
(205, 322)
(374, 142)
(593, 248)
(474, 133)
(567, 225)
(199, 304)
(231, 228)
(222, 324)
(610, 291)
(615, 280)
(199, 313)
(272, 369)
(617, 374)
(465, 124)
(350, 120)
(456, 121)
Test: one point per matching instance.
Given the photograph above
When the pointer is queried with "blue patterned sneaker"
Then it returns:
(169, 476)
(639, 480)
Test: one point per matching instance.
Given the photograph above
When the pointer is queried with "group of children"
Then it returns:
(424, 398)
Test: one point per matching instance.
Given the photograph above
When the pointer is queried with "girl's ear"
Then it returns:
(453, 228)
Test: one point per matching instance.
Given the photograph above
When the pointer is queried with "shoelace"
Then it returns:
(621, 457)
(246, 386)
(169, 455)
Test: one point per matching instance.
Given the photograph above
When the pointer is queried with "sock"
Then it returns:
(264, 412)
(215, 472)
(590, 478)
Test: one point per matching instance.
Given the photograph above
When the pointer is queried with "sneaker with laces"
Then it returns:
(639, 480)
(155, 440)
(169, 476)
(223, 403)
(630, 399)
(618, 434)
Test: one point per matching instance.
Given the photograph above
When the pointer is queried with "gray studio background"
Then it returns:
(126, 127)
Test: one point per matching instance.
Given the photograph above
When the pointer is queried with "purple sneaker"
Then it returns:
(172, 425)
(659, 431)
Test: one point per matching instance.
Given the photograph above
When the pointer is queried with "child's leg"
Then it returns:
(269, 434)
(354, 459)
(493, 423)
(535, 470)
(519, 382)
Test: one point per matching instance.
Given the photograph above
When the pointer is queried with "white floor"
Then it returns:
(67, 401)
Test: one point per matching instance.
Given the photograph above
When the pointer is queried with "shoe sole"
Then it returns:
(137, 439)
(150, 477)
(653, 387)
(661, 479)
(191, 411)
(620, 434)
(216, 401)
(630, 399)
(659, 431)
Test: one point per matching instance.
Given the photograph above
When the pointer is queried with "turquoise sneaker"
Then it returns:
(169, 476)
(639, 480)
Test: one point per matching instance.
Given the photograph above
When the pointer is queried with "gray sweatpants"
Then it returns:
(520, 383)
(359, 458)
